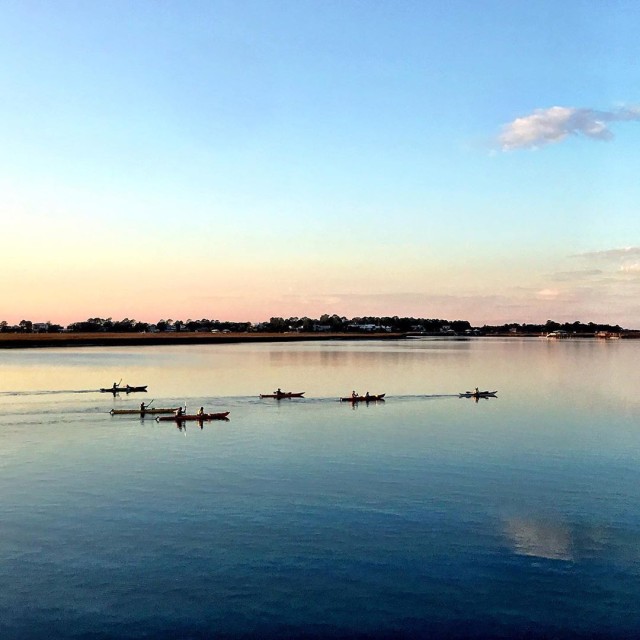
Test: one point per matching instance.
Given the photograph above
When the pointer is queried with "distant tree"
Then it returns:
(123, 326)
(306, 324)
(193, 325)
(460, 326)
(277, 325)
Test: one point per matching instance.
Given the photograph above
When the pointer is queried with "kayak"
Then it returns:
(193, 416)
(478, 394)
(122, 412)
(369, 398)
(284, 394)
(126, 389)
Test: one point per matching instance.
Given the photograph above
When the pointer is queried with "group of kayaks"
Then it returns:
(354, 397)
(179, 415)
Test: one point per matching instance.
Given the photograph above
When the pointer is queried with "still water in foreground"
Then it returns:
(427, 515)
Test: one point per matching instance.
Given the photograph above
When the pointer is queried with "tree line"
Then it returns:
(329, 323)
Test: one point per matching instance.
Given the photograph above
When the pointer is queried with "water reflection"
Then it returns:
(541, 539)
(572, 542)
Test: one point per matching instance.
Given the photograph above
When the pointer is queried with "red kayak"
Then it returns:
(364, 398)
(190, 416)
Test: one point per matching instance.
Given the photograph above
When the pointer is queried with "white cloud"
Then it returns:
(548, 126)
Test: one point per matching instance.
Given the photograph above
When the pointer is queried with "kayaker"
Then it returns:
(477, 392)
(142, 407)
(179, 411)
(200, 411)
(354, 394)
(366, 395)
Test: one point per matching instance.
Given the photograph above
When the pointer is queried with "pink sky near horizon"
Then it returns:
(119, 300)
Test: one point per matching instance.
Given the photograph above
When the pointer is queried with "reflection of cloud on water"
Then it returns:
(540, 539)
(543, 538)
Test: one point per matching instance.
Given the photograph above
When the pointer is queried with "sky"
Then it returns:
(243, 159)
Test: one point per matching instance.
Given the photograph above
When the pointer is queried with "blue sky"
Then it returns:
(238, 160)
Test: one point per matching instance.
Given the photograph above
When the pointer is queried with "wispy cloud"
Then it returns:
(610, 254)
(548, 126)
(623, 262)
(548, 293)
(572, 276)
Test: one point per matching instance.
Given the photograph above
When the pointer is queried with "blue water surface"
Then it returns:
(426, 516)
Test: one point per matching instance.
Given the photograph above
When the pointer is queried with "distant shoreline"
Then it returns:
(93, 339)
(44, 340)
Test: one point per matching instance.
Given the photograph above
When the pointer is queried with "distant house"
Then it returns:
(368, 327)
(607, 335)
(364, 327)
(558, 335)
(40, 327)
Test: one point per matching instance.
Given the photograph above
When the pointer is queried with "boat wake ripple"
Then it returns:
(45, 392)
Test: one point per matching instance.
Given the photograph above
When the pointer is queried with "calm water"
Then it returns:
(424, 516)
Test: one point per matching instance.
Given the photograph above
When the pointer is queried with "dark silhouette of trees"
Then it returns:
(326, 322)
